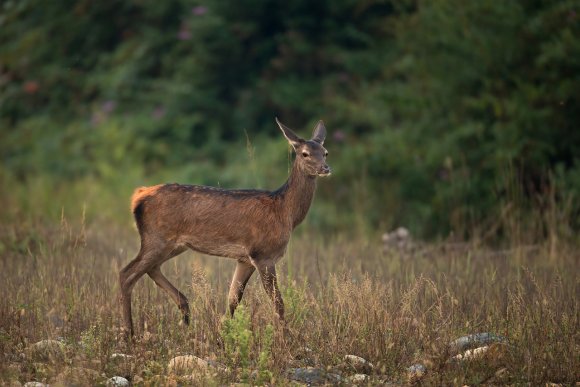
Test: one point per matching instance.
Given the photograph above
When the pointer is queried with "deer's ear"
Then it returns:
(319, 133)
(292, 137)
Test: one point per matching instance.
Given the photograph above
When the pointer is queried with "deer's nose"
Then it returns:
(325, 170)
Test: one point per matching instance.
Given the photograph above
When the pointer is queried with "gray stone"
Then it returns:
(416, 371)
(313, 376)
(473, 341)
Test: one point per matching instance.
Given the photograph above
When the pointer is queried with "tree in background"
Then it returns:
(437, 108)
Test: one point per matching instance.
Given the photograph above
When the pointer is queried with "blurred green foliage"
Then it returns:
(440, 113)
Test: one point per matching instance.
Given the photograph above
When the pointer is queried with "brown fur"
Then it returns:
(251, 226)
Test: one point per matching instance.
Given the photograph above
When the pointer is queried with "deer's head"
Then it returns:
(310, 154)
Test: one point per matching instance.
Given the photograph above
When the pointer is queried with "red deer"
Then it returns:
(250, 226)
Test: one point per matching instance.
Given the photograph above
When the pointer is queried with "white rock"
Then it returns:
(399, 239)
(116, 356)
(117, 381)
(359, 378)
(120, 357)
(359, 364)
(46, 350)
(185, 364)
(416, 371)
(471, 354)
(182, 364)
(402, 233)
(34, 384)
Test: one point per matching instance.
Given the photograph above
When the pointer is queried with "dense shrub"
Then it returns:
(440, 114)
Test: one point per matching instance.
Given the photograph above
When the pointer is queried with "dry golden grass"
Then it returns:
(343, 296)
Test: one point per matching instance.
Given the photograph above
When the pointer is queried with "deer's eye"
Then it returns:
(305, 154)
(325, 154)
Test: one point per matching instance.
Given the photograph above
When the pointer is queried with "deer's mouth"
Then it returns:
(325, 171)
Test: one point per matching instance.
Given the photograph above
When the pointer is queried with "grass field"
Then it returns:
(344, 295)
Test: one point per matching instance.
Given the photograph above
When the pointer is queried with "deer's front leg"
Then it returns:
(270, 282)
(241, 276)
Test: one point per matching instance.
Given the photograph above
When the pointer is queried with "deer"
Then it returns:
(249, 225)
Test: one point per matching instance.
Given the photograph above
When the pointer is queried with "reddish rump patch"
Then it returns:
(142, 192)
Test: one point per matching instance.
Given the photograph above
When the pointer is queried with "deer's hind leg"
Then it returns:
(127, 279)
(129, 276)
(177, 297)
(148, 257)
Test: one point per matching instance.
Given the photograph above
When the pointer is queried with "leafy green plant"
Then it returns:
(294, 297)
(264, 358)
(240, 341)
(238, 338)
(90, 341)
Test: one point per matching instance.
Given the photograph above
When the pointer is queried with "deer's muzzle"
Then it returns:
(324, 171)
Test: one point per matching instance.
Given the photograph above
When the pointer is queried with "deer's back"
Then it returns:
(230, 223)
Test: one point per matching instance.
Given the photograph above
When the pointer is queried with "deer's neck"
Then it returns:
(296, 195)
